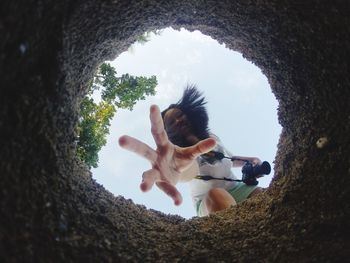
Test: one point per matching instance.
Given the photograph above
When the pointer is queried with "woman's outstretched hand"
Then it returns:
(168, 160)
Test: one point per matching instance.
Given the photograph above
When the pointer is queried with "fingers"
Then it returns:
(157, 127)
(199, 148)
(256, 161)
(171, 191)
(148, 179)
(138, 147)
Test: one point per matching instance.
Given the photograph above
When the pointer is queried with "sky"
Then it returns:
(242, 110)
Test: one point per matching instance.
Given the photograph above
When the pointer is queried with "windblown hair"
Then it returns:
(192, 104)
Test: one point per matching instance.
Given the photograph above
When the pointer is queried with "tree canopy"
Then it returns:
(95, 117)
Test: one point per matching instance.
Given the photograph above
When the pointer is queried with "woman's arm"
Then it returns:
(239, 161)
(168, 160)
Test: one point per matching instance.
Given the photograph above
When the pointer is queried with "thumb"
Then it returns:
(200, 148)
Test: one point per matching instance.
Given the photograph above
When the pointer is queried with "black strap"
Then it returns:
(219, 156)
(209, 177)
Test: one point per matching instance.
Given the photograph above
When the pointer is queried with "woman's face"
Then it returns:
(178, 127)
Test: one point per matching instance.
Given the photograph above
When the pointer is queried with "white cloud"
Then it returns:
(192, 58)
(195, 36)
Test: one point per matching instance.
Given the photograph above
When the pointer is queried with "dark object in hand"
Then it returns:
(250, 172)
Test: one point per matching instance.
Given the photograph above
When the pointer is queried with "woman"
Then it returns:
(185, 150)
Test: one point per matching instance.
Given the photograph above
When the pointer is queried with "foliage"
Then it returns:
(95, 118)
(144, 38)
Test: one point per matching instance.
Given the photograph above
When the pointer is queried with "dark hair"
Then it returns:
(192, 105)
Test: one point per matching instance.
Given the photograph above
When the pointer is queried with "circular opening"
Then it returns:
(241, 107)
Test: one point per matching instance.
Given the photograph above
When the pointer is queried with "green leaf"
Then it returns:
(95, 119)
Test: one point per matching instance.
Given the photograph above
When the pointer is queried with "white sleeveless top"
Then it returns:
(215, 168)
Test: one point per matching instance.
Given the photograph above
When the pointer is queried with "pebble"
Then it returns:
(322, 142)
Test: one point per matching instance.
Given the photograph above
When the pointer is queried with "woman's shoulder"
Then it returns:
(220, 146)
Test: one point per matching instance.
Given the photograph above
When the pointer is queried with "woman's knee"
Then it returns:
(217, 193)
(218, 199)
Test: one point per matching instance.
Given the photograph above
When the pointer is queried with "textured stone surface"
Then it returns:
(51, 209)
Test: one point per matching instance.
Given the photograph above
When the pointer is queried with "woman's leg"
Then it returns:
(218, 199)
